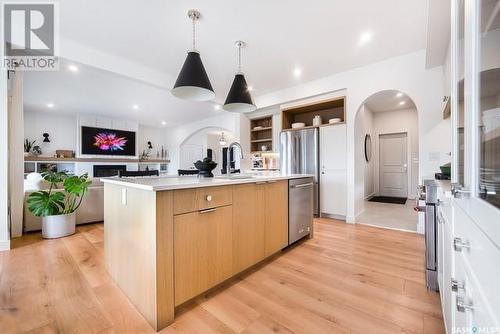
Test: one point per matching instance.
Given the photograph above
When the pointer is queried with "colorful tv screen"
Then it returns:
(99, 141)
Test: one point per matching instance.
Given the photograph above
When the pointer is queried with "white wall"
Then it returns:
(364, 126)
(405, 73)
(4, 156)
(397, 122)
(60, 127)
(63, 131)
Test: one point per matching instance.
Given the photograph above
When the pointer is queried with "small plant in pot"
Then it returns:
(57, 206)
(28, 145)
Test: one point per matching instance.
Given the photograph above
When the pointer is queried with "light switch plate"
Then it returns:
(124, 196)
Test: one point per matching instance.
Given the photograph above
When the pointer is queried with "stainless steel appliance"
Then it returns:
(300, 155)
(429, 193)
(300, 199)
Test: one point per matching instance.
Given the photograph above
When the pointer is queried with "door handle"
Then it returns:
(302, 185)
(462, 305)
(458, 191)
(459, 244)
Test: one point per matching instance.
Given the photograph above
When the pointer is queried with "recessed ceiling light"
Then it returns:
(402, 102)
(163, 123)
(365, 37)
(216, 107)
(135, 107)
(297, 72)
(250, 88)
(73, 68)
(399, 94)
(50, 105)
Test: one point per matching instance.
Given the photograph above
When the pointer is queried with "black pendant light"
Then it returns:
(239, 98)
(192, 82)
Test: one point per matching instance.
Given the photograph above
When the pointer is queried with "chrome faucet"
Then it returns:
(229, 148)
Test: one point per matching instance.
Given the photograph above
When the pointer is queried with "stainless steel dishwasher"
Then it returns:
(300, 208)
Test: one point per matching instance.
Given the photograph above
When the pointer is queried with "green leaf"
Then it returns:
(77, 185)
(54, 177)
(42, 203)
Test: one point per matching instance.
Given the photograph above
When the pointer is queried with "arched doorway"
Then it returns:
(195, 146)
(386, 160)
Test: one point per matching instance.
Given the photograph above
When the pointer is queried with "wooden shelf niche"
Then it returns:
(261, 133)
(334, 108)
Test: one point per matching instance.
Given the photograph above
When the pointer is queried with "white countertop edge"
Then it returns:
(143, 183)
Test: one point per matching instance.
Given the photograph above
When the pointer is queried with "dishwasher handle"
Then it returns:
(301, 185)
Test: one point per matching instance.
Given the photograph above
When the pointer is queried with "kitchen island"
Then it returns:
(170, 239)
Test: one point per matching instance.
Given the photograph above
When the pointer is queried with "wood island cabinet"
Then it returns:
(164, 248)
(202, 251)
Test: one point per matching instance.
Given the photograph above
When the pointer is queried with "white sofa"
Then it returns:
(91, 210)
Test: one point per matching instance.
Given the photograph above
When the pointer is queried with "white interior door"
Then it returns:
(393, 165)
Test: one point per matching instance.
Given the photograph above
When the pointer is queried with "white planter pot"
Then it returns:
(58, 226)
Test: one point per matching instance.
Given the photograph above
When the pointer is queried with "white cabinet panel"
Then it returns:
(332, 142)
(333, 192)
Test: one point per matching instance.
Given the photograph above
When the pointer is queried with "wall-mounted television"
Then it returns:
(100, 141)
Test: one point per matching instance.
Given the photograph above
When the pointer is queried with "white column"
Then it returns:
(4, 137)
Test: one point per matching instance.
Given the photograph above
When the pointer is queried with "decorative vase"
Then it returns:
(58, 226)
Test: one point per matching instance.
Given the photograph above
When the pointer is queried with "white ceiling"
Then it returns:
(320, 37)
(99, 92)
(389, 100)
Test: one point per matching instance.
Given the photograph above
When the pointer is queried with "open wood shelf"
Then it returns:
(328, 109)
(262, 136)
(262, 129)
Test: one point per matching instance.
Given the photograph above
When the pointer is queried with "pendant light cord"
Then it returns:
(239, 58)
(194, 33)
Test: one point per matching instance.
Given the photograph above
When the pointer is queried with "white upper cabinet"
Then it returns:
(332, 141)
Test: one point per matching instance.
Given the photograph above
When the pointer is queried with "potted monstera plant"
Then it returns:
(57, 206)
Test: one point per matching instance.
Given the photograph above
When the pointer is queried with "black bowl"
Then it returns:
(205, 168)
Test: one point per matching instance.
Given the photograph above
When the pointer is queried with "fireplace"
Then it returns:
(108, 170)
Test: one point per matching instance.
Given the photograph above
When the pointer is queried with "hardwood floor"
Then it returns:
(348, 279)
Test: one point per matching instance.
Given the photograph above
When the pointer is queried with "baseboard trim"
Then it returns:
(4, 245)
(332, 216)
(389, 228)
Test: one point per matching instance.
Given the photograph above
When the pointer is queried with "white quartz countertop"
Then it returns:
(159, 183)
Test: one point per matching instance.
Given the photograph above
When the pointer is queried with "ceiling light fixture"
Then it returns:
(402, 102)
(217, 107)
(163, 123)
(297, 72)
(73, 68)
(50, 105)
(192, 82)
(222, 140)
(365, 37)
(239, 98)
(135, 107)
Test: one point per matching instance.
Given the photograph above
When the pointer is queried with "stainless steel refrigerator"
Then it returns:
(299, 154)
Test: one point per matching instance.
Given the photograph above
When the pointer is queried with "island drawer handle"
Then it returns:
(209, 198)
(207, 210)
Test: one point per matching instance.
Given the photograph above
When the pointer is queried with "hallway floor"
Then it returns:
(395, 216)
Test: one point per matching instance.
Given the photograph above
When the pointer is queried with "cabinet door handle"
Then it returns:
(209, 198)
(462, 305)
(455, 286)
(458, 191)
(208, 210)
(261, 182)
(272, 181)
(459, 244)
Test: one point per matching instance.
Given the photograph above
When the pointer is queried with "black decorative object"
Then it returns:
(46, 138)
(150, 146)
(368, 148)
(192, 82)
(205, 167)
(239, 99)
